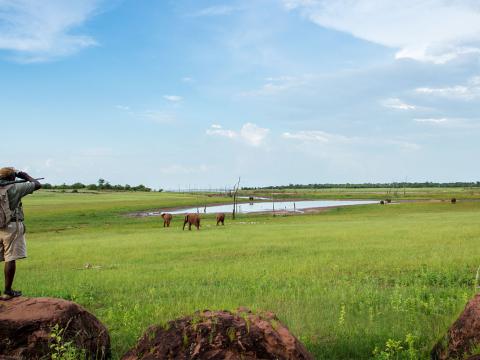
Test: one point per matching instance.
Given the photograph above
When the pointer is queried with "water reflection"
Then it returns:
(245, 208)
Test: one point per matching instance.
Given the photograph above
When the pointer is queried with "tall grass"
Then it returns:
(344, 281)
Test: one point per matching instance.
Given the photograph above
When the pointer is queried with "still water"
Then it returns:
(246, 208)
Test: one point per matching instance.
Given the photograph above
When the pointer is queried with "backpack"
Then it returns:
(5, 212)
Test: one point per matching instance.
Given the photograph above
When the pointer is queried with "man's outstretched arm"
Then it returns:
(23, 175)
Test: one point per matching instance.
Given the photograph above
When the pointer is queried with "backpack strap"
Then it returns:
(6, 215)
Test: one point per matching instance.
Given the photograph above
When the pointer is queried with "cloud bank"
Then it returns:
(434, 31)
(468, 91)
(37, 31)
(329, 140)
(397, 104)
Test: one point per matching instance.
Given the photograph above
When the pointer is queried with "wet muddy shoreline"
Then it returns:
(258, 207)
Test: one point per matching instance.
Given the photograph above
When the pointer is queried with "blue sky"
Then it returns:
(196, 93)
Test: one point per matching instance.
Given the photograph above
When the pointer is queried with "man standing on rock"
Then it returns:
(12, 230)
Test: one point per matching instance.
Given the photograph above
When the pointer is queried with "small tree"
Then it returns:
(78, 185)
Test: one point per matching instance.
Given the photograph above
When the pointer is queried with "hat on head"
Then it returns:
(7, 172)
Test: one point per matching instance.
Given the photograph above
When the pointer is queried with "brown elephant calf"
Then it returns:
(166, 219)
(221, 218)
(192, 219)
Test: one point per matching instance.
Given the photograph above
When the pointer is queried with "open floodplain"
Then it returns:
(344, 280)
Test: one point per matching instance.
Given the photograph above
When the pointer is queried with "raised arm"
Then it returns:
(23, 175)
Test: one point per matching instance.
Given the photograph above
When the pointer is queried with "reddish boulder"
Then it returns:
(26, 325)
(210, 335)
(463, 336)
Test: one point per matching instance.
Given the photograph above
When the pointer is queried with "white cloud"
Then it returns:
(404, 145)
(435, 31)
(458, 91)
(317, 136)
(329, 139)
(123, 107)
(173, 98)
(431, 120)
(450, 123)
(217, 10)
(36, 31)
(217, 130)
(251, 134)
(275, 85)
(469, 91)
(293, 4)
(187, 79)
(397, 104)
(440, 55)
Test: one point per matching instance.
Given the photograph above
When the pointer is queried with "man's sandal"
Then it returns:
(7, 295)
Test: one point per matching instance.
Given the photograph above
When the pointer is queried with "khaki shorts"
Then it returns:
(12, 242)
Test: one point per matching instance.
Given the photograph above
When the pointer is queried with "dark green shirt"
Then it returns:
(15, 195)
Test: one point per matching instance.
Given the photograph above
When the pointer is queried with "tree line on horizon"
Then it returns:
(102, 184)
(396, 185)
(105, 185)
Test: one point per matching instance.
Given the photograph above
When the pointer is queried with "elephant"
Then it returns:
(166, 219)
(221, 218)
(192, 219)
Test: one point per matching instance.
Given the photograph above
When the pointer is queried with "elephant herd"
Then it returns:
(191, 219)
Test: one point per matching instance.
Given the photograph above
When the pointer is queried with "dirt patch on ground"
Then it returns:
(26, 325)
(463, 337)
(220, 335)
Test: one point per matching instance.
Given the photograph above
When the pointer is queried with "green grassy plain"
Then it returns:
(344, 281)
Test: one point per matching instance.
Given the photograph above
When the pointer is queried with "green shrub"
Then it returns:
(64, 350)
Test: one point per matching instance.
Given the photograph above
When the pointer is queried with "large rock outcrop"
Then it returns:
(463, 337)
(209, 335)
(26, 325)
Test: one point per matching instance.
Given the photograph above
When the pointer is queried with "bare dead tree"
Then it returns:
(273, 204)
(235, 190)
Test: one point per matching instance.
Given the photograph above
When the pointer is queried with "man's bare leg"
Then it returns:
(9, 270)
